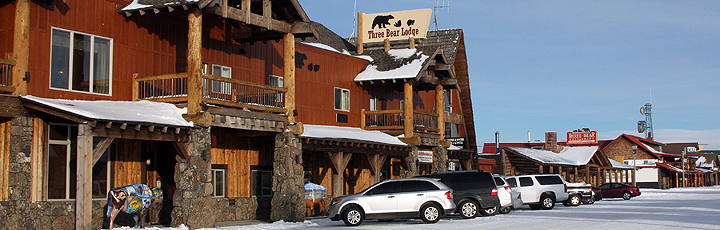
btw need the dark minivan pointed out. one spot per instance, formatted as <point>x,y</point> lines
<point>473,190</point>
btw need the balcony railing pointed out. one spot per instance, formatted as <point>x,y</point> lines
<point>6,72</point>
<point>173,88</point>
<point>394,120</point>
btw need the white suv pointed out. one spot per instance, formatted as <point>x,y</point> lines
<point>424,198</point>
<point>540,191</point>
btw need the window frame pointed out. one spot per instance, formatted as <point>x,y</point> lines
<point>92,78</point>
<point>221,87</point>
<point>215,170</point>
<point>70,151</point>
<point>344,99</point>
<point>254,174</point>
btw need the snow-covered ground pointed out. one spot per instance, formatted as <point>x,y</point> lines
<point>683,208</point>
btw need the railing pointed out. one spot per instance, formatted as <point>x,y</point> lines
<point>6,72</point>
<point>394,120</point>
<point>173,88</point>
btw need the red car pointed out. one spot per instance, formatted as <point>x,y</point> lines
<point>619,190</point>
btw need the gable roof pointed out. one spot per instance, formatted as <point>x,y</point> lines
<point>574,156</point>
<point>646,145</point>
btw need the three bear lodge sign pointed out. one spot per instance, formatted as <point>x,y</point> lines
<point>394,25</point>
<point>582,137</point>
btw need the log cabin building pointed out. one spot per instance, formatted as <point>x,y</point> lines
<point>258,84</point>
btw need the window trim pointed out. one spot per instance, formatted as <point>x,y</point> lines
<point>92,60</point>
<point>344,101</point>
<point>68,143</point>
<point>223,87</point>
<point>224,181</point>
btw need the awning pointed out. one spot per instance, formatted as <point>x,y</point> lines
<point>669,167</point>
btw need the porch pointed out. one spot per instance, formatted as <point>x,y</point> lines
<point>6,73</point>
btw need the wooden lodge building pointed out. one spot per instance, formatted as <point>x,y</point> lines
<point>626,159</point>
<point>263,100</point>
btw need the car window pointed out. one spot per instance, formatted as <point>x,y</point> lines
<point>499,181</point>
<point>605,186</point>
<point>546,180</point>
<point>425,186</point>
<point>616,185</point>
<point>512,182</point>
<point>389,187</point>
<point>526,181</point>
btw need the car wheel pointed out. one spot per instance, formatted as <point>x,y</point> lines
<point>430,213</point>
<point>575,200</point>
<point>534,206</point>
<point>468,209</point>
<point>490,211</point>
<point>353,216</point>
<point>547,202</point>
<point>626,196</point>
<point>505,210</point>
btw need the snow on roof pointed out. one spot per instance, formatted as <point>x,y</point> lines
<point>409,70</point>
<point>350,133</point>
<point>655,152</point>
<point>136,5</point>
<point>125,111</point>
<point>580,155</point>
<point>618,164</point>
<point>401,53</point>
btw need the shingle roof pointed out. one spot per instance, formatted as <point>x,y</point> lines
<point>329,38</point>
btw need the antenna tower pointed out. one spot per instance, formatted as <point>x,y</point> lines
<point>647,125</point>
<point>442,8</point>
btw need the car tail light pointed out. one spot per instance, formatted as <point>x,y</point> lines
<point>508,189</point>
<point>448,194</point>
<point>565,188</point>
<point>493,192</point>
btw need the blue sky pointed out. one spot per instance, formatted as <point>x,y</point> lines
<point>538,66</point>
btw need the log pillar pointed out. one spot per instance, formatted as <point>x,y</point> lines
<point>194,68</point>
<point>21,47</point>
<point>339,161</point>
<point>440,109</point>
<point>408,117</point>
<point>83,194</point>
<point>376,162</point>
<point>289,75</point>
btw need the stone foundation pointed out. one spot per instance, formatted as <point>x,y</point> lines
<point>412,161</point>
<point>440,159</point>
<point>193,199</point>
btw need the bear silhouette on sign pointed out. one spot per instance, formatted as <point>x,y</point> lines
<point>381,21</point>
<point>398,23</point>
<point>410,22</point>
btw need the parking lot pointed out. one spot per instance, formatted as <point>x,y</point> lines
<point>683,208</point>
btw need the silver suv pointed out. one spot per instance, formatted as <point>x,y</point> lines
<point>540,191</point>
<point>424,198</point>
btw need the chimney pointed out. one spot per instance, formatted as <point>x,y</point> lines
<point>551,142</point>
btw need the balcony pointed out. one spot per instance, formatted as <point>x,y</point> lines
<point>6,72</point>
<point>393,121</point>
<point>226,92</point>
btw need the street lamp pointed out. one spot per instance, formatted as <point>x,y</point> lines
<point>634,148</point>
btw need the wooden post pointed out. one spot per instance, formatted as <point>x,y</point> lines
<point>387,45</point>
<point>362,119</point>
<point>360,48</point>
<point>440,109</point>
<point>339,162</point>
<point>37,160</point>
<point>21,46</point>
<point>587,174</point>
<point>551,169</point>
<point>408,117</point>
<point>597,180</point>
<point>83,195</point>
<point>194,68</point>
<point>376,162</point>
<point>541,171</point>
<point>135,87</point>
<point>412,42</point>
<point>289,75</point>
<point>575,177</point>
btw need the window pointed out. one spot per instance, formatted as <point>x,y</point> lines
<point>373,103</point>
<point>221,87</point>
<point>218,180</point>
<point>277,81</point>
<point>451,130</point>
<point>448,101</point>
<point>512,182</point>
<point>80,62</point>
<point>342,99</point>
<point>62,162</point>
<point>526,181</point>
<point>261,182</point>
<point>389,187</point>
<point>546,180</point>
